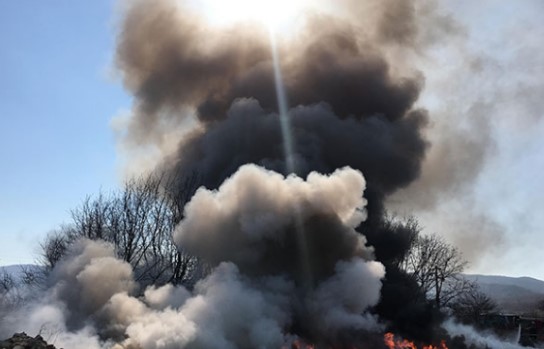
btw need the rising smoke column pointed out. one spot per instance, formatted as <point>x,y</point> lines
<point>173,62</point>
<point>351,94</point>
<point>253,220</point>
<point>351,105</point>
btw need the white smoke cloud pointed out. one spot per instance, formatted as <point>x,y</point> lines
<point>257,218</point>
<point>478,339</point>
<point>251,219</point>
<point>88,277</point>
<point>166,296</point>
<point>225,311</point>
<point>81,285</point>
<point>255,211</point>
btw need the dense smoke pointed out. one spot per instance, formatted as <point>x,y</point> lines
<point>291,255</point>
<point>254,296</point>
<point>303,230</point>
<point>337,78</point>
<point>477,339</point>
<point>257,218</point>
<point>78,288</point>
<point>352,100</point>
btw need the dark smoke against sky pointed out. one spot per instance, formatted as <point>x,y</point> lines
<point>224,89</point>
<point>502,38</point>
<point>371,61</point>
<point>348,76</point>
<point>352,106</point>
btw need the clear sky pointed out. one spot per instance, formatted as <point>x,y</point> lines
<point>57,97</point>
<point>59,94</point>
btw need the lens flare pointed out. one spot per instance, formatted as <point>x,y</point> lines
<point>283,107</point>
<point>289,153</point>
<point>277,15</point>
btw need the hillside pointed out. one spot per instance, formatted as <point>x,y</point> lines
<point>17,271</point>
<point>512,294</point>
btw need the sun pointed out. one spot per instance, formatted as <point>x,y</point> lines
<point>276,15</point>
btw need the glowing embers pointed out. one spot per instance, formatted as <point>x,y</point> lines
<point>392,343</point>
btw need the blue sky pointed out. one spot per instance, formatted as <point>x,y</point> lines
<point>59,94</point>
<point>56,101</point>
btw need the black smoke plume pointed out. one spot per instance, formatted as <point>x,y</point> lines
<point>303,253</point>
<point>349,106</point>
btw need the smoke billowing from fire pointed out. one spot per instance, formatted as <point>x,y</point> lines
<point>352,96</point>
<point>254,296</point>
<point>299,254</point>
<point>301,230</point>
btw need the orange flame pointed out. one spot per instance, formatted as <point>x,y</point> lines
<point>393,343</point>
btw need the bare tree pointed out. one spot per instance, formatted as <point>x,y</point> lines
<point>471,304</point>
<point>54,247</point>
<point>436,266</point>
<point>12,294</point>
<point>138,220</point>
<point>400,233</point>
<point>8,299</point>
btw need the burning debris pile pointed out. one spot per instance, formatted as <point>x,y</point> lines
<point>393,343</point>
<point>297,253</point>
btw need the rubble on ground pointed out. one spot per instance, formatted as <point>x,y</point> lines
<point>24,341</point>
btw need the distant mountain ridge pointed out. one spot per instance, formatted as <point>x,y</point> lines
<point>528,283</point>
<point>17,271</point>
<point>512,294</point>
